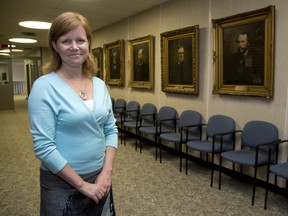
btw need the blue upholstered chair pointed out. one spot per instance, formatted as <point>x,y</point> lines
<point>119,108</point>
<point>165,123</point>
<point>217,139</point>
<point>255,139</point>
<point>130,114</point>
<point>189,128</point>
<point>146,117</point>
<point>278,170</point>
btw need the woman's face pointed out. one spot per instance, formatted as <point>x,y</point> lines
<point>73,47</point>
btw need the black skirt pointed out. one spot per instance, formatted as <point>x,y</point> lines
<point>58,198</point>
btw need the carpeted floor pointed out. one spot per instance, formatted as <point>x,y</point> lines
<point>142,186</point>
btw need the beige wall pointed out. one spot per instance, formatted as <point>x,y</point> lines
<point>177,14</point>
<point>183,13</point>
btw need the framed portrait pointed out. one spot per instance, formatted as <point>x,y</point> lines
<point>141,61</point>
<point>180,60</point>
<point>244,53</point>
<point>98,57</point>
<point>115,63</point>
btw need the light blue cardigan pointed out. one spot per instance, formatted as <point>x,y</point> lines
<point>63,128</point>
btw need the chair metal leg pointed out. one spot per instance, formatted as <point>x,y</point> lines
<point>180,152</point>
<point>140,141</point>
<point>254,185</point>
<point>160,150</point>
<point>212,169</point>
<point>156,153</point>
<point>136,141</point>
<point>220,170</point>
<point>124,135</point>
<point>124,139</point>
<point>121,133</point>
<point>186,162</point>
<point>266,190</point>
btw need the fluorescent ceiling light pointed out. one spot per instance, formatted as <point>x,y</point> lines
<point>13,50</point>
<point>35,24</point>
<point>22,40</point>
<point>4,54</point>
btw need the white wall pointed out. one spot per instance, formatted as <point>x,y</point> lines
<point>18,70</point>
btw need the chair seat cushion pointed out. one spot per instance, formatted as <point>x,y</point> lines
<point>206,146</point>
<point>280,170</point>
<point>133,124</point>
<point>130,124</point>
<point>152,130</point>
<point>245,158</point>
<point>176,137</point>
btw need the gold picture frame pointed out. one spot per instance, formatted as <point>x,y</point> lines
<point>180,60</point>
<point>141,62</point>
<point>98,57</point>
<point>115,63</point>
<point>244,53</point>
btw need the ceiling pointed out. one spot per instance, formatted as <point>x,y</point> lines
<point>99,13</point>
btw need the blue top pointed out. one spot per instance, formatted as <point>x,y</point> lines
<point>63,128</point>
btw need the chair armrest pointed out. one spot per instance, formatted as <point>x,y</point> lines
<point>143,115</point>
<point>120,112</point>
<point>163,120</point>
<point>150,114</point>
<point>125,113</point>
<point>268,146</point>
<point>187,127</point>
<point>227,133</point>
<point>277,143</point>
<point>191,126</point>
<point>272,143</point>
<point>160,122</point>
<point>233,132</point>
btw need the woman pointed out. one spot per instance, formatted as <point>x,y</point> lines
<point>72,125</point>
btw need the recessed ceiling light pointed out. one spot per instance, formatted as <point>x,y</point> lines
<point>22,40</point>
<point>35,24</point>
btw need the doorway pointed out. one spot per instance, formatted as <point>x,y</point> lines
<point>6,85</point>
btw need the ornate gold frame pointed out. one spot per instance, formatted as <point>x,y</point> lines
<point>98,55</point>
<point>117,78</point>
<point>145,45</point>
<point>188,39</point>
<point>259,82</point>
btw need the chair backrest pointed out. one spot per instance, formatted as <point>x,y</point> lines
<point>219,124</point>
<point>120,105</point>
<point>258,132</point>
<point>132,109</point>
<point>190,117</point>
<point>148,112</point>
<point>167,112</point>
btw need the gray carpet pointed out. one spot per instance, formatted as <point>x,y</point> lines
<point>142,186</point>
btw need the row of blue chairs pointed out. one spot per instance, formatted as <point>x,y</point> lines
<point>259,140</point>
